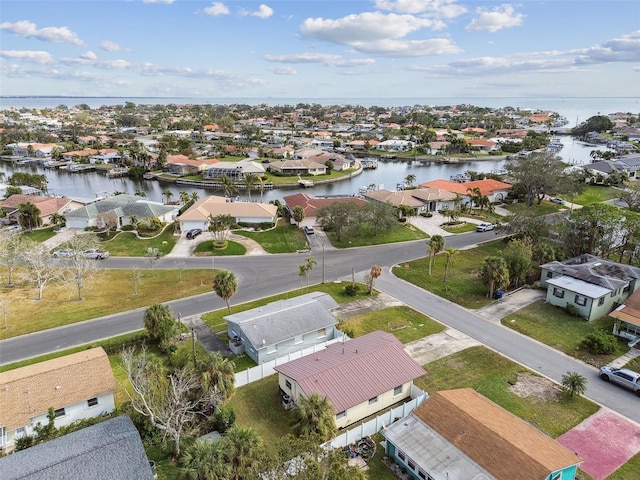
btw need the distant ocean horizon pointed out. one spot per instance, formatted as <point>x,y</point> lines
<point>574,109</point>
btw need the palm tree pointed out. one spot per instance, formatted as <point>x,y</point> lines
<point>475,196</point>
<point>495,273</point>
<point>184,197</point>
<point>57,219</point>
<point>194,196</point>
<point>261,185</point>
<point>434,246</point>
<point>29,216</point>
<point>133,220</point>
<point>314,416</point>
<point>205,461</point>
<point>409,179</point>
<point>250,180</point>
<point>242,452</point>
<point>140,193</point>
<point>575,383</point>
<point>228,186</point>
<point>225,285</point>
<point>305,269</point>
<point>218,377</point>
<point>450,254</point>
<point>167,193</point>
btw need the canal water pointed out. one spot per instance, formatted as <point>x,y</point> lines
<point>388,175</point>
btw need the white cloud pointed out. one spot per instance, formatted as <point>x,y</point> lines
<point>110,46</point>
<point>365,27</point>
<point>89,55</point>
<point>503,16</point>
<point>33,56</point>
<point>216,9</point>
<point>283,70</point>
<point>408,48</point>
<point>435,8</point>
<point>166,2</point>
<point>24,28</point>
<point>623,49</point>
<point>308,57</point>
<point>500,65</point>
<point>355,62</point>
<point>263,11</point>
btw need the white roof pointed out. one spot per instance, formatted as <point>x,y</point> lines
<point>587,289</point>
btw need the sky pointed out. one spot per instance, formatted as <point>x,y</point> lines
<point>320,48</point>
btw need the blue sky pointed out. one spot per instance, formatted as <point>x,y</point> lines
<point>320,49</point>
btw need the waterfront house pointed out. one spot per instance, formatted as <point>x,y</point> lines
<point>250,213</point>
<point>305,166</point>
<point>38,150</point>
<point>395,145</point>
<point>110,450</point>
<point>234,170</point>
<point>76,386</point>
<point>283,327</point>
<point>482,145</point>
<point>359,377</point>
<point>494,190</point>
<point>311,205</point>
<point>183,165</point>
<point>421,200</point>
<point>459,434</point>
<point>47,205</point>
<point>117,211</point>
<point>592,285</point>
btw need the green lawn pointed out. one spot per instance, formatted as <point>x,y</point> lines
<point>405,323</point>
<point>628,470</point>
<point>40,235</point>
<point>554,327</point>
<point>596,194</point>
<point>285,238</point>
<point>402,232</point>
<point>206,249</point>
<point>463,285</point>
<point>544,208</point>
<point>126,244</point>
<point>491,374</point>
<point>462,228</point>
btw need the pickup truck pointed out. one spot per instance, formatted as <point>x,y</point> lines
<point>622,376</point>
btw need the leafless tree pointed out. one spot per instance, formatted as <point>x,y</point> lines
<point>40,265</point>
<point>135,278</point>
<point>80,269</point>
<point>11,248</point>
<point>153,255</point>
<point>170,402</point>
<point>180,266</point>
<point>4,311</point>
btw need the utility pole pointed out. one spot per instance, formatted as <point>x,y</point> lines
<point>193,343</point>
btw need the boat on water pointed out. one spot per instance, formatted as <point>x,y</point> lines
<point>555,145</point>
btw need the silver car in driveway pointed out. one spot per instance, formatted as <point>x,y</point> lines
<point>622,376</point>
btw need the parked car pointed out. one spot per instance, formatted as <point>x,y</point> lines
<point>485,227</point>
<point>64,252</point>
<point>558,200</point>
<point>622,376</point>
<point>95,253</point>
<point>191,234</point>
<point>308,230</point>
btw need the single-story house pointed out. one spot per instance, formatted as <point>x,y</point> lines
<point>483,145</point>
<point>459,434</point>
<point>304,166</point>
<point>395,145</point>
<point>47,206</point>
<point>26,190</point>
<point>594,286</point>
<point>311,205</point>
<point>118,211</point>
<point>76,386</point>
<point>628,319</point>
<point>420,199</point>
<point>197,215</point>
<point>39,150</point>
<point>234,170</point>
<point>359,377</point>
<point>183,165</point>
<point>109,450</point>
<point>494,190</point>
<point>283,327</point>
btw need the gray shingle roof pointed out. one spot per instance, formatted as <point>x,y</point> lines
<point>123,205</point>
<point>285,319</point>
<point>591,269</point>
<point>111,450</point>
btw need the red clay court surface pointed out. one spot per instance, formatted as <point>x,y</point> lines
<point>605,441</point>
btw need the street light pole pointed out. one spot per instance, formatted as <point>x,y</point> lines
<point>193,343</point>
<point>322,262</point>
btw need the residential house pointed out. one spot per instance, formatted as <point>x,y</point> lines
<point>592,285</point>
<point>483,146</point>
<point>311,205</point>
<point>183,165</point>
<point>494,190</point>
<point>109,450</point>
<point>38,150</point>
<point>359,377</point>
<point>459,434</point>
<point>421,200</point>
<point>395,145</point>
<point>628,319</point>
<point>76,386</point>
<point>234,170</point>
<point>117,211</point>
<point>295,167</point>
<point>47,206</point>
<point>253,213</point>
<point>283,327</point>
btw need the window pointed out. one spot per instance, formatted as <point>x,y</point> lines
<point>422,475</point>
<point>411,465</point>
<point>557,292</point>
<point>397,390</point>
<point>373,400</point>
<point>20,432</point>
<point>580,300</point>
<point>401,455</point>
<point>340,415</point>
<point>556,476</point>
<point>549,274</point>
<point>288,384</point>
<point>92,402</point>
<point>322,333</point>
<point>613,294</point>
<point>60,412</point>
<point>600,301</point>
<point>626,289</point>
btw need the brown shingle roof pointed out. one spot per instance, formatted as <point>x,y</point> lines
<point>30,391</point>
<point>503,444</point>
<point>352,372</point>
<point>311,205</point>
<point>46,205</point>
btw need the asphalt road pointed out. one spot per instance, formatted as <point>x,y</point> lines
<point>265,275</point>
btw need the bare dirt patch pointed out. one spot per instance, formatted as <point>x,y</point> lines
<point>532,386</point>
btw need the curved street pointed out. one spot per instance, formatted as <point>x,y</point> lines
<point>261,276</point>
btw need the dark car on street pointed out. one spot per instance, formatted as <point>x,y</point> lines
<point>191,234</point>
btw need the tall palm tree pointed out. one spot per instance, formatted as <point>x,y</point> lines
<point>205,461</point>
<point>242,452</point>
<point>228,185</point>
<point>434,246</point>
<point>194,196</point>
<point>167,193</point>
<point>184,197</point>
<point>450,254</point>
<point>261,185</point>
<point>225,285</point>
<point>250,179</point>
<point>218,377</point>
<point>57,219</point>
<point>29,216</point>
<point>140,193</point>
<point>409,179</point>
<point>314,416</point>
<point>495,273</point>
<point>575,383</point>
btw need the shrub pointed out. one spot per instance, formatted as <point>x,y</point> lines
<point>573,311</point>
<point>351,290</point>
<point>128,228</point>
<point>600,342</point>
<point>224,418</point>
<point>426,214</point>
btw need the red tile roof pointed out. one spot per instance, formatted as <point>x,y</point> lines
<point>311,205</point>
<point>46,205</point>
<point>486,186</point>
<point>352,372</point>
